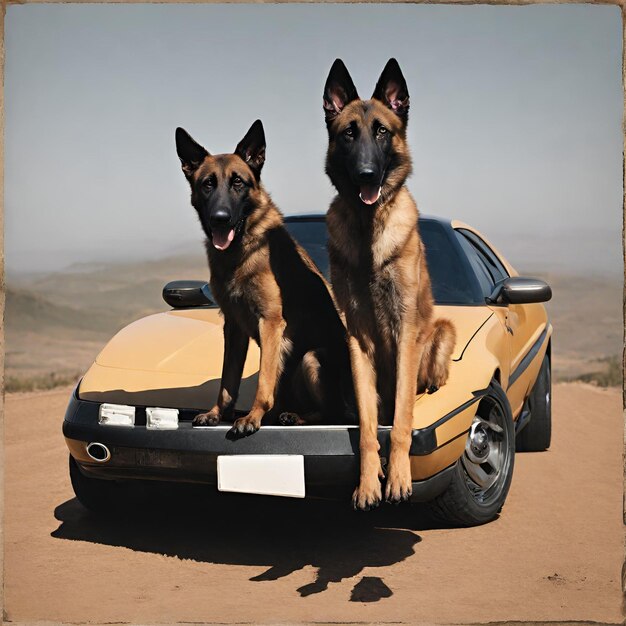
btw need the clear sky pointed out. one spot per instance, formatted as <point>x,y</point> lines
<point>515,119</point>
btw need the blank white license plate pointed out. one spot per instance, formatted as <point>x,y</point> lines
<point>265,474</point>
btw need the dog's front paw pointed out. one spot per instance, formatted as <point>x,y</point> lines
<point>244,426</point>
<point>290,419</point>
<point>399,485</point>
<point>211,418</point>
<point>367,495</point>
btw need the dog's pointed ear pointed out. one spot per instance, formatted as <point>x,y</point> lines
<point>338,91</point>
<point>392,91</point>
<point>252,148</point>
<point>190,153</point>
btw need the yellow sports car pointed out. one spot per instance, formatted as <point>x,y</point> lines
<point>129,418</point>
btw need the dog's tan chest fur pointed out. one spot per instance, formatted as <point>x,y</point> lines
<point>376,260</point>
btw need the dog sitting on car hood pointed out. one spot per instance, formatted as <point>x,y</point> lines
<point>379,272</point>
<point>268,290</point>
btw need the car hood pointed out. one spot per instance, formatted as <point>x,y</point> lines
<point>175,358</point>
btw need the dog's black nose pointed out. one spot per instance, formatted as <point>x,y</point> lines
<point>220,217</point>
<point>367,174</point>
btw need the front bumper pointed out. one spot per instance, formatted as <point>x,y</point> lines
<point>331,453</point>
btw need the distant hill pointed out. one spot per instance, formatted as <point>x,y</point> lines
<point>126,288</point>
<point>56,323</point>
<point>27,311</point>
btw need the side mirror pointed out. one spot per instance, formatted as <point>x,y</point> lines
<point>520,290</point>
<point>180,294</point>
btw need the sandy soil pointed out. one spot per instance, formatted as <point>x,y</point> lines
<point>554,554</point>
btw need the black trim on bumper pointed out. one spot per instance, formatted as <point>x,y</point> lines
<point>326,477</point>
<point>81,423</point>
<point>478,395</point>
<point>426,490</point>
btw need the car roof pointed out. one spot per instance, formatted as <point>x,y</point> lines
<point>320,217</point>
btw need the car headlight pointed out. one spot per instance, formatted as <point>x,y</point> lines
<point>161,419</point>
<point>116,415</point>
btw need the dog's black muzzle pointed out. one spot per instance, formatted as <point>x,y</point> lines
<point>220,218</point>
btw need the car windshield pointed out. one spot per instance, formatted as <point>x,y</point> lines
<point>450,281</point>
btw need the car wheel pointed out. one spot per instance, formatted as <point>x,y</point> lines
<point>104,497</point>
<point>482,476</point>
<point>536,435</point>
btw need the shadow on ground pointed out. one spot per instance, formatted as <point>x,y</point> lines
<point>282,535</point>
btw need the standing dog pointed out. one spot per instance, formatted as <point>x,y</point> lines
<point>268,289</point>
<point>379,273</point>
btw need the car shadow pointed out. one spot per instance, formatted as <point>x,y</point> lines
<point>283,535</point>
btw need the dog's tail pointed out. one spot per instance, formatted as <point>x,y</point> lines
<point>435,363</point>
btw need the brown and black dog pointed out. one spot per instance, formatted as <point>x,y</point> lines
<point>379,273</point>
<point>269,290</point>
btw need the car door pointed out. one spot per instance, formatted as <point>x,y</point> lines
<point>519,320</point>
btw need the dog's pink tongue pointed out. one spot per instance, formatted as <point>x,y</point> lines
<point>221,240</point>
<point>369,193</point>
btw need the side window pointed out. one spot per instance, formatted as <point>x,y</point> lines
<point>452,281</point>
<point>493,263</point>
<point>485,278</point>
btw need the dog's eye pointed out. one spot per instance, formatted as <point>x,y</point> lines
<point>207,183</point>
<point>237,182</point>
<point>349,132</point>
<point>382,131</point>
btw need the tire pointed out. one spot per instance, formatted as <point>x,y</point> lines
<point>100,496</point>
<point>475,495</point>
<point>536,435</point>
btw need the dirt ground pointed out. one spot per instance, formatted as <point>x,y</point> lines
<point>554,554</point>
